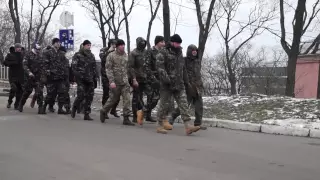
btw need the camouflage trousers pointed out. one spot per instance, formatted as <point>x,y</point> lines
<point>105,96</point>
<point>153,96</point>
<point>30,84</point>
<point>165,104</point>
<point>16,90</point>
<point>198,107</point>
<point>85,92</point>
<point>57,88</point>
<point>115,94</point>
<point>137,99</point>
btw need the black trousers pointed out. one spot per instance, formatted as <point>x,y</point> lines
<point>16,90</point>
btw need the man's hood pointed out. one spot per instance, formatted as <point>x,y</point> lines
<point>191,48</point>
<point>139,42</point>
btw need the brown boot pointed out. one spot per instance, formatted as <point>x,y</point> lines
<point>161,129</point>
<point>140,117</point>
<point>190,128</point>
<point>167,125</point>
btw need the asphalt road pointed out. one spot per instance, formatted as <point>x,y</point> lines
<point>45,147</point>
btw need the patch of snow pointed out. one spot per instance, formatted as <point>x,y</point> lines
<point>299,123</point>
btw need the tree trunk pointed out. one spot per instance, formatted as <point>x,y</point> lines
<point>30,26</point>
<point>166,20</point>
<point>148,35</point>
<point>127,25</point>
<point>291,74</point>
<point>14,13</point>
<point>233,84</point>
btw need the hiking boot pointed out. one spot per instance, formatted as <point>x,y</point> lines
<point>140,117</point>
<point>167,125</point>
<point>127,122</point>
<point>102,116</point>
<point>87,117</point>
<point>161,129</point>
<point>190,129</point>
<point>202,127</point>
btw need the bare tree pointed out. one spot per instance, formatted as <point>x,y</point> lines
<point>153,14</point>
<point>30,25</point>
<point>300,24</point>
<point>43,22</point>
<point>125,14</point>
<point>101,14</point>
<point>14,13</point>
<point>107,12</point>
<point>206,26</point>
<point>166,20</point>
<point>257,20</point>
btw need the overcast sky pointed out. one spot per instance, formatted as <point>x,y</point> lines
<point>187,27</point>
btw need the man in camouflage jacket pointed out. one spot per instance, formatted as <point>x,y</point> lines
<point>84,69</point>
<point>33,65</point>
<point>173,76</point>
<point>195,88</point>
<point>56,68</point>
<point>137,78</point>
<point>104,52</point>
<point>152,87</point>
<point>117,73</point>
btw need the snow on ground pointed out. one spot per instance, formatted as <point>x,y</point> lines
<point>256,108</point>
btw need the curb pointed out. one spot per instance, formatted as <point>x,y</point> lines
<point>261,128</point>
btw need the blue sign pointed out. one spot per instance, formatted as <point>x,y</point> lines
<point>66,38</point>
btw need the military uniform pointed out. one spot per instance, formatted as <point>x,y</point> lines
<point>13,60</point>
<point>57,71</point>
<point>195,90</point>
<point>116,68</point>
<point>173,76</point>
<point>152,88</point>
<point>104,52</point>
<point>33,65</point>
<point>136,71</point>
<point>84,70</point>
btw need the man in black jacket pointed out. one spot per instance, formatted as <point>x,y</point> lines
<point>13,60</point>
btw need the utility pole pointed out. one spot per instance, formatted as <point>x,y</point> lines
<point>166,20</point>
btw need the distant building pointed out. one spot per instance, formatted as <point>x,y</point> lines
<point>264,80</point>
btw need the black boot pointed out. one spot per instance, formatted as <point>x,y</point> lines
<point>20,108</point>
<point>87,117</point>
<point>102,116</point>
<point>127,122</point>
<point>21,104</point>
<point>40,109</point>
<point>73,111</point>
<point>114,113</point>
<point>9,105</point>
<point>149,117</point>
<point>51,109</point>
<point>61,111</point>
<point>44,108</point>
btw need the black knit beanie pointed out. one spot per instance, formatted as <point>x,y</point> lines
<point>176,38</point>
<point>158,39</point>
<point>120,42</point>
<point>55,40</point>
<point>85,42</point>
